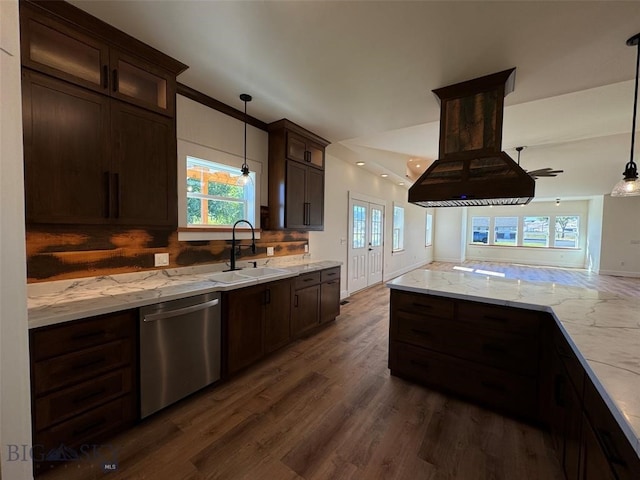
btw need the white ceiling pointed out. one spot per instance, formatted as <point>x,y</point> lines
<point>361,72</point>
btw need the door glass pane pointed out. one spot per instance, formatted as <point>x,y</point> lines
<point>359,226</point>
<point>376,227</point>
<point>137,83</point>
<point>480,230</point>
<point>62,52</point>
<point>505,231</point>
<point>566,231</point>
<point>535,232</point>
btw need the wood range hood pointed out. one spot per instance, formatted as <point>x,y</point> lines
<point>471,169</point>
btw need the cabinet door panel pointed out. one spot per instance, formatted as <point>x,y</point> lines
<point>330,300</point>
<point>66,152</point>
<point>245,310</point>
<point>295,188</point>
<point>296,148</point>
<point>145,185</point>
<point>595,465</point>
<point>54,48</point>
<point>277,331</point>
<point>315,199</point>
<point>306,309</point>
<point>140,83</point>
<point>316,155</point>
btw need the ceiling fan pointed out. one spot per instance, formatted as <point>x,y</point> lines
<point>541,172</point>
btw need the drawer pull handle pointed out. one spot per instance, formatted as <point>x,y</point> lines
<point>331,274</point>
<point>496,319</point>
<point>424,333</point>
<point>90,363</point>
<point>89,427</point>
<point>610,450</point>
<point>420,364</point>
<point>491,348</point>
<point>493,386</point>
<point>82,336</point>
<point>307,279</point>
<point>89,395</point>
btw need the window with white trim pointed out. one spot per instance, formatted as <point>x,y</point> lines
<point>566,231</point>
<point>428,237</point>
<point>480,230</point>
<point>505,231</point>
<point>214,199</point>
<point>398,228</point>
<point>535,232</point>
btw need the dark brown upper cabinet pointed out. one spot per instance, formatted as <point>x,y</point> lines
<point>61,49</point>
<point>296,177</point>
<point>99,122</point>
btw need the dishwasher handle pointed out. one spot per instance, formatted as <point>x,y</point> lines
<point>152,317</point>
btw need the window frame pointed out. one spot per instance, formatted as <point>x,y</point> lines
<point>399,246</point>
<point>231,161</point>
<point>428,230</point>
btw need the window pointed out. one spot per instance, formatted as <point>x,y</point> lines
<point>359,226</point>
<point>566,231</point>
<point>429,230</point>
<point>535,232</point>
<point>398,228</point>
<point>376,226</point>
<point>505,231</point>
<point>480,229</point>
<point>213,198</point>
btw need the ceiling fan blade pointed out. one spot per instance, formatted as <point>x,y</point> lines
<point>544,172</point>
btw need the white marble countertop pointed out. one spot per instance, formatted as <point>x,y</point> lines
<point>60,301</point>
<point>602,328</point>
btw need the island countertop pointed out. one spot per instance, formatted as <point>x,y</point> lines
<point>602,328</point>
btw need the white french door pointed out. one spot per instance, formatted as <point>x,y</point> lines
<point>366,239</point>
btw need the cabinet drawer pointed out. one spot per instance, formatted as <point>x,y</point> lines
<point>494,317</point>
<point>97,423</point>
<point>508,392</point>
<point>71,337</point>
<point>509,352</point>
<point>307,280</point>
<point>330,274</point>
<point>75,367</point>
<point>612,440</point>
<point>64,404</point>
<point>422,304</point>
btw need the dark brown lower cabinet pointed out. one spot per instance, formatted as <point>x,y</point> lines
<point>329,294</point>
<point>83,383</point>
<point>277,331</point>
<point>305,312</point>
<point>479,352</point>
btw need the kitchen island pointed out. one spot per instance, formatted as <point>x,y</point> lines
<point>602,330</point>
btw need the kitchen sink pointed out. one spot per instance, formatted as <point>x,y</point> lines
<point>263,272</point>
<point>229,277</point>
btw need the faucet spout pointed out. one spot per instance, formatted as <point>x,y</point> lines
<point>232,259</point>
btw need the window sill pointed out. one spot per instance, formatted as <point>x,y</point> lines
<point>522,246</point>
<point>397,252</point>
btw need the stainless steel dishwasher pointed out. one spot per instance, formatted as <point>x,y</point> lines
<point>179,349</point>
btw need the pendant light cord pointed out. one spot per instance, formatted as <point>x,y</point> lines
<point>635,105</point>
<point>245,131</point>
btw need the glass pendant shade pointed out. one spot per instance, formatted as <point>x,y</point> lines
<point>244,179</point>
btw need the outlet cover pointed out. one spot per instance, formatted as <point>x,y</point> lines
<point>306,248</point>
<point>270,252</point>
<point>161,259</point>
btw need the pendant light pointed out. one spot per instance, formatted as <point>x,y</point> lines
<point>629,186</point>
<point>245,178</point>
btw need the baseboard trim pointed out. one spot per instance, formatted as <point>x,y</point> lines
<point>616,273</point>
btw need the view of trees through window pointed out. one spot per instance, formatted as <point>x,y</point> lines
<point>213,198</point>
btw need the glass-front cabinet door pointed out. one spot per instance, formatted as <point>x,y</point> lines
<point>53,48</point>
<point>140,83</point>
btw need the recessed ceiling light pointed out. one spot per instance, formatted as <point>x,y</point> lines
<point>384,175</point>
<point>401,183</point>
<point>417,165</point>
<point>360,164</point>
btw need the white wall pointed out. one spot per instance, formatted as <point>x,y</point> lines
<point>620,252</point>
<point>15,398</point>
<point>594,234</point>
<point>450,234</point>
<point>558,257</point>
<point>342,177</point>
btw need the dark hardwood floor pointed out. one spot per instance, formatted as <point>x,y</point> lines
<point>326,407</point>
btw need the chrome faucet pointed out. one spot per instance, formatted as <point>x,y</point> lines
<point>232,265</point>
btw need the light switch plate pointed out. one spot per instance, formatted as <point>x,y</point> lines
<point>161,259</point>
<point>270,252</point>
